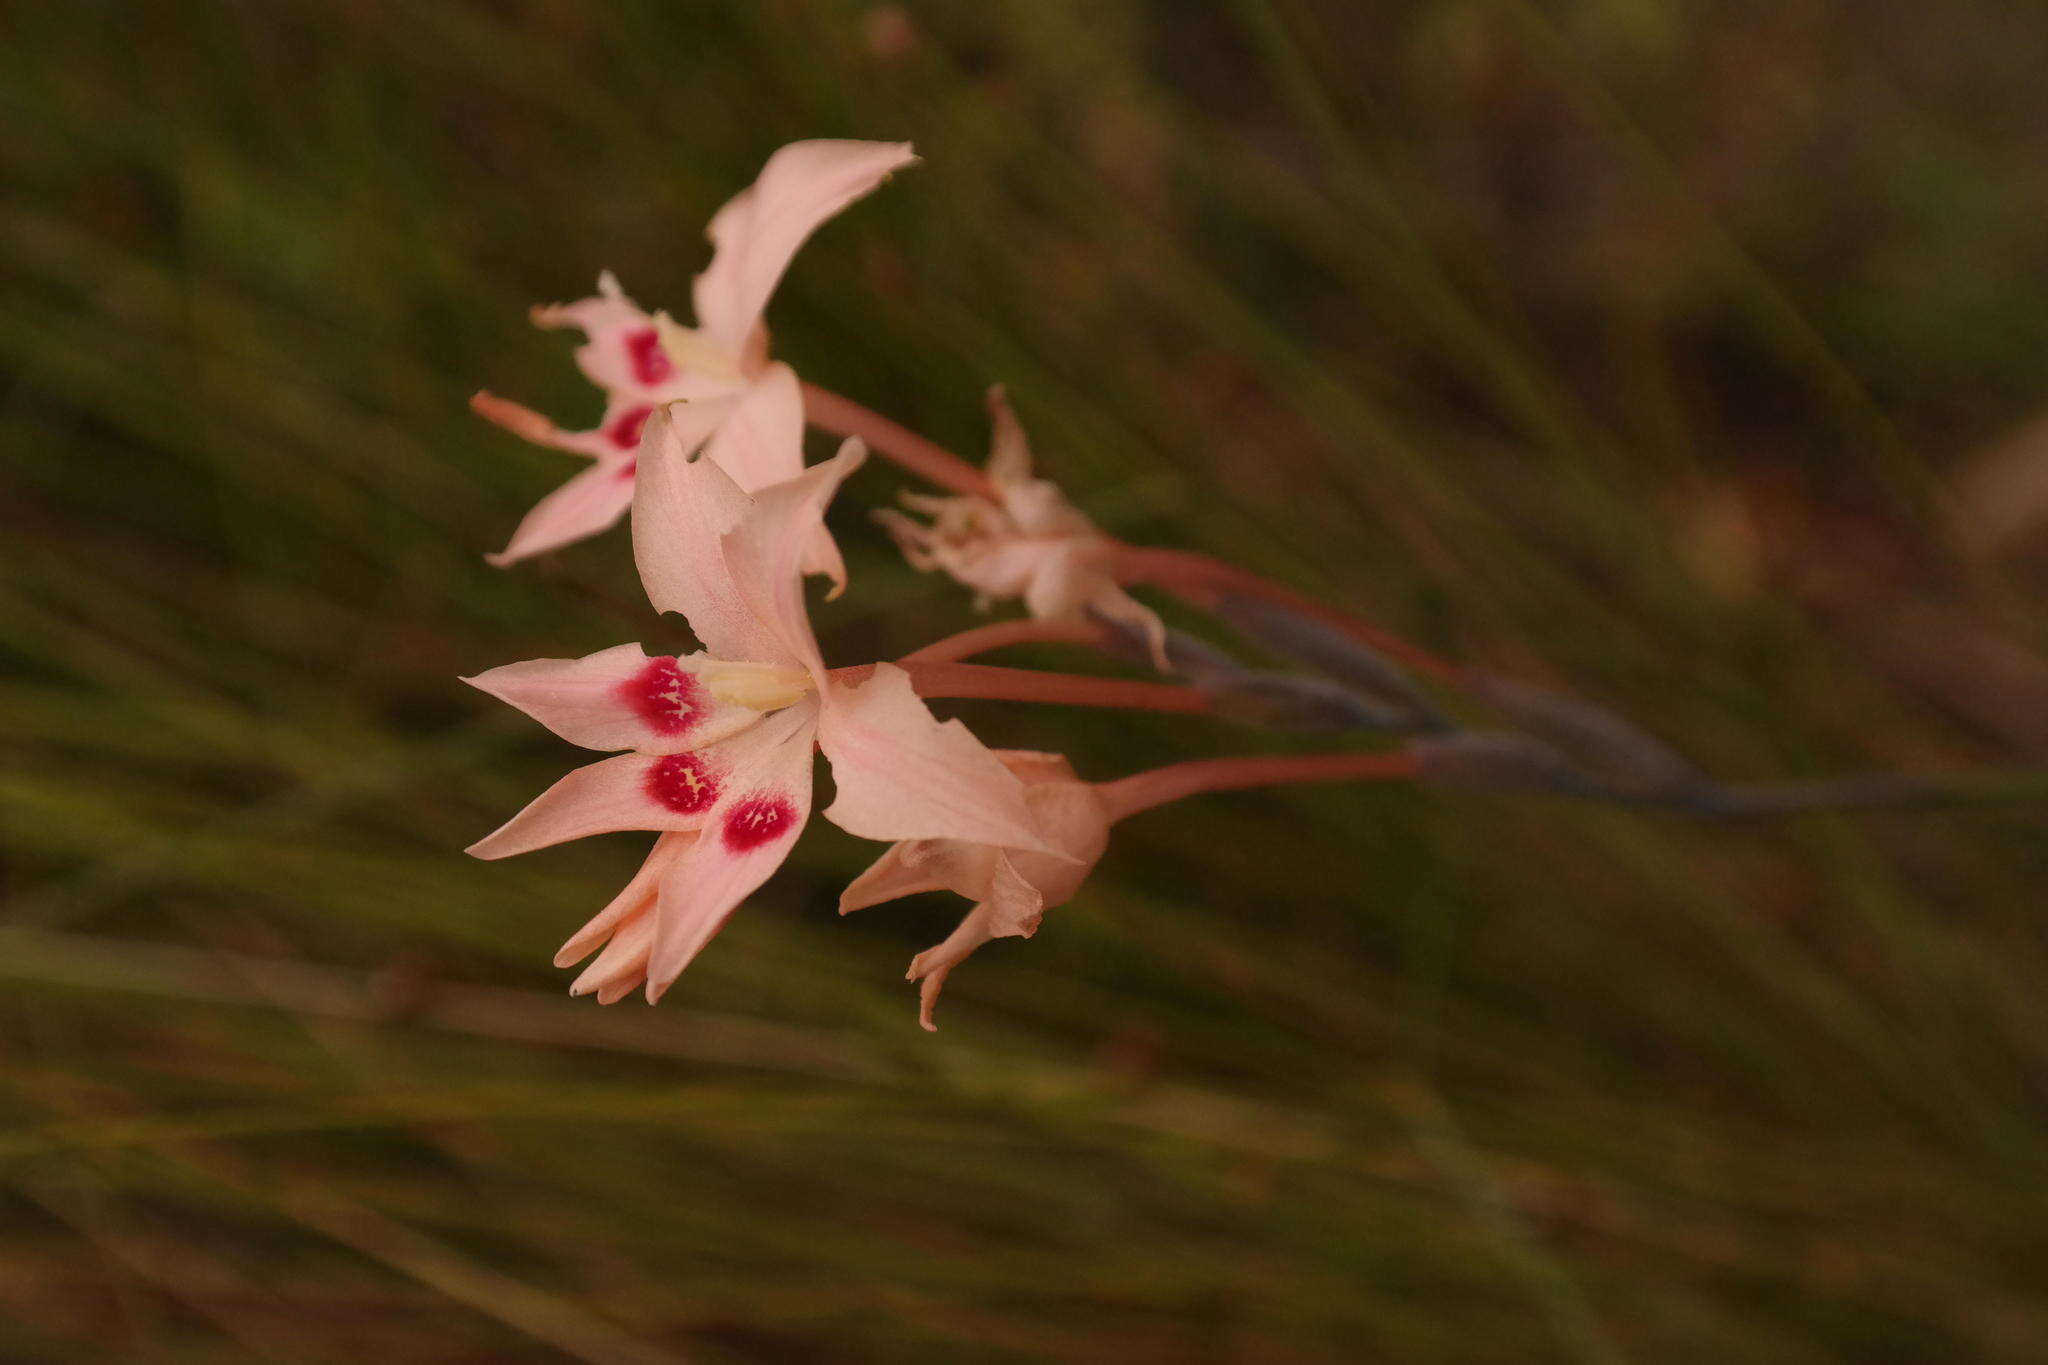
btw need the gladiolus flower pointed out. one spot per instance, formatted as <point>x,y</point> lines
<point>644,361</point>
<point>1011,888</point>
<point>719,743</point>
<point>1030,542</point>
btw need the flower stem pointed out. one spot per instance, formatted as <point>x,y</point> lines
<point>1002,634</point>
<point>1202,580</point>
<point>928,460</point>
<point>1176,782</point>
<point>981,682</point>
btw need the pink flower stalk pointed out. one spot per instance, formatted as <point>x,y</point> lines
<point>719,743</point>
<point>1011,888</point>
<point>1027,541</point>
<point>644,361</point>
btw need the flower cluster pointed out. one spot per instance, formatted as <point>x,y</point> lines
<point>702,439</point>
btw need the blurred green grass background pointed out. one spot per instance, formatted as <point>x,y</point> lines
<point>1681,355</point>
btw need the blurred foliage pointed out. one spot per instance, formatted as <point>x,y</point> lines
<point>1616,344</point>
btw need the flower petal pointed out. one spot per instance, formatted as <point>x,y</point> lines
<point>1014,905</point>
<point>750,832</point>
<point>1009,453</point>
<point>682,510</point>
<point>635,900</point>
<point>767,550</point>
<point>619,698</point>
<point>901,774</point>
<point>589,503</point>
<point>1062,582</point>
<point>900,871</point>
<point>622,354</point>
<point>1008,913</point>
<point>762,443</point>
<point>631,791</point>
<point>621,966</point>
<point>760,229</point>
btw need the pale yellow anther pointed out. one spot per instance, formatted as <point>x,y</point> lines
<point>689,350</point>
<point>758,687</point>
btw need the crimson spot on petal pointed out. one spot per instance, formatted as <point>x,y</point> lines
<point>682,783</point>
<point>625,433</point>
<point>665,695</point>
<point>651,364</point>
<point>625,472</point>
<point>757,820</point>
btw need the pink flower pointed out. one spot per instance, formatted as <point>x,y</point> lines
<point>1029,543</point>
<point>1011,887</point>
<point>644,361</point>
<point>718,744</point>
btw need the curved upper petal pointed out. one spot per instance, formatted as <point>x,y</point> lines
<point>765,805</point>
<point>619,698</point>
<point>683,508</point>
<point>901,774</point>
<point>762,440</point>
<point>762,443</point>
<point>767,550</point>
<point>759,230</point>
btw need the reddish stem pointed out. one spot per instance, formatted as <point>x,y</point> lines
<point>1202,580</point>
<point>1142,791</point>
<point>982,682</point>
<point>926,459</point>
<point>1001,635</point>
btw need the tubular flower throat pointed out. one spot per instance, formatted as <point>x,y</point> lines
<point>719,743</point>
<point>1011,888</point>
<point>1029,543</point>
<point>753,408</point>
